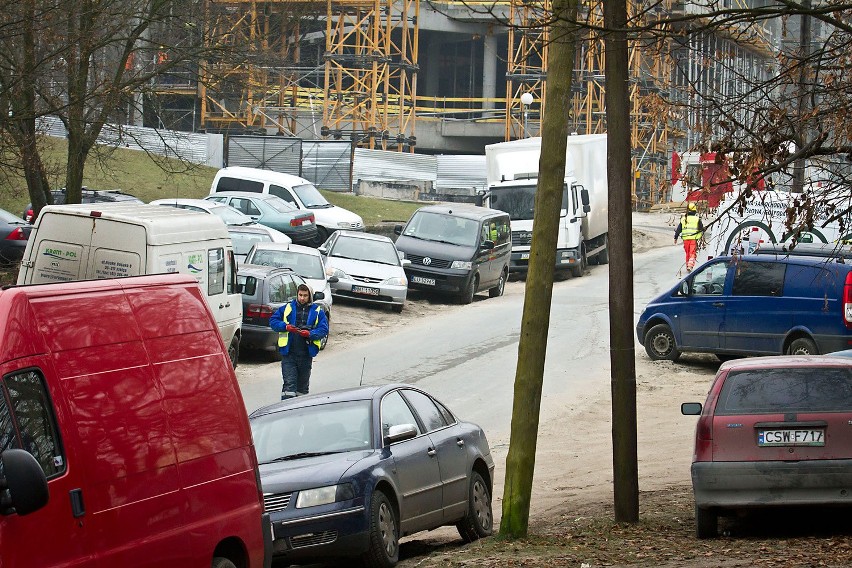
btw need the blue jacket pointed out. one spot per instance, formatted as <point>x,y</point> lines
<point>286,314</point>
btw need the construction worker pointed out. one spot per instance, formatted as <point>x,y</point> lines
<point>690,229</point>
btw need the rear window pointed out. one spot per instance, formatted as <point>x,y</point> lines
<point>790,390</point>
<point>236,184</point>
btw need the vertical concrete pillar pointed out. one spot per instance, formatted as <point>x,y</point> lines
<point>489,69</point>
<point>433,69</point>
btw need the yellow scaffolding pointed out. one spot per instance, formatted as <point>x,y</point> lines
<point>526,66</point>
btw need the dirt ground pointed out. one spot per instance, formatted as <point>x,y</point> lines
<point>571,517</point>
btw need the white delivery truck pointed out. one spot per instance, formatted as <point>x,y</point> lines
<point>512,175</point>
<point>112,240</point>
<point>741,230</point>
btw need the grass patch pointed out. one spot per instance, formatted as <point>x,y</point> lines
<point>154,177</point>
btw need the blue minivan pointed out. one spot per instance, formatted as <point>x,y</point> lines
<point>753,305</point>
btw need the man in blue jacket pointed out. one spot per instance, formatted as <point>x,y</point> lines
<point>301,325</point>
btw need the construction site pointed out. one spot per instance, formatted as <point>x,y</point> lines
<point>439,77</point>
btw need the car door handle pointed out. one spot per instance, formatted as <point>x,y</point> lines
<point>431,451</point>
<point>460,442</point>
<point>227,304</point>
<point>221,306</point>
<point>718,304</point>
<point>77,507</point>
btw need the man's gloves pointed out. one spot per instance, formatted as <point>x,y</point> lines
<point>292,328</point>
<point>305,333</point>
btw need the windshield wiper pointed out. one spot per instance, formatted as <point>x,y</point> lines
<point>299,456</point>
<point>345,257</point>
<point>320,206</point>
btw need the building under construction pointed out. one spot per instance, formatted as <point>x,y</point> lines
<point>446,77</point>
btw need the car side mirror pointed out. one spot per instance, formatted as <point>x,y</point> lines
<point>322,250</point>
<point>400,432</point>
<point>584,197</point>
<point>25,481</point>
<point>690,408</point>
<point>397,230</point>
<point>332,279</point>
<point>319,296</point>
<point>487,245</point>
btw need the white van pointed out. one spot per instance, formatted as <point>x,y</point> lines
<point>112,240</point>
<point>293,189</point>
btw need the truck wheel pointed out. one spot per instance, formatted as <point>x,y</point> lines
<point>603,256</point>
<point>706,523</point>
<point>234,351</point>
<point>497,290</point>
<point>467,296</point>
<point>578,269</point>
<point>803,346</point>
<point>220,562</point>
<point>660,343</point>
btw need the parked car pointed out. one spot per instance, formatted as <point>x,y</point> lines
<point>246,236</point>
<point>307,262</point>
<point>228,214</point>
<point>292,189</point>
<point>368,268</point>
<point>13,238</point>
<point>773,431</point>
<point>298,224</point>
<point>347,473</point>
<point>264,290</point>
<point>88,196</point>
<point>752,305</point>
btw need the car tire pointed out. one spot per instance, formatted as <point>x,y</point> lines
<point>383,551</point>
<point>467,296</point>
<point>577,270</point>
<point>219,562</point>
<point>234,351</point>
<point>478,521</point>
<point>706,523</point>
<point>498,290</point>
<point>322,236</point>
<point>397,308</point>
<point>803,346</point>
<point>660,343</point>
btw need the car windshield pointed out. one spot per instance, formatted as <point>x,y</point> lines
<point>305,265</point>
<point>244,241</point>
<point>438,227</point>
<point>7,217</point>
<point>280,205</point>
<point>231,216</point>
<point>311,196</point>
<point>790,390</point>
<point>313,430</point>
<point>382,252</point>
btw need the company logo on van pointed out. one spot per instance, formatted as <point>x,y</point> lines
<point>194,269</point>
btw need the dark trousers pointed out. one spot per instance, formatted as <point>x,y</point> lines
<point>296,373</point>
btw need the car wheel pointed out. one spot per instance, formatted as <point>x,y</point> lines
<point>577,270</point>
<point>470,292</point>
<point>220,562</point>
<point>706,523</point>
<point>322,236</point>
<point>397,308</point>
<point>660,343</point>
<point>234,351</point>
<point>802,346</point>
<point>497,290</point>
<point>478,522</point>
<point>383,551</point>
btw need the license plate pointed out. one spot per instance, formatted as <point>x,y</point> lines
<point>423,280</point>
<point>805,437</point>
<point>365,290</point>
<point>525,256</point>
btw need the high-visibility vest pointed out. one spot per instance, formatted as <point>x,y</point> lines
<point>284,336</point>
<point>689,228</point>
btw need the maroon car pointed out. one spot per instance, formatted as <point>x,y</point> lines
<point>774,431</point>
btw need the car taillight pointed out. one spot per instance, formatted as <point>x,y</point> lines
<point>704,439</point>
<point>847,301</point>
<point>301,220</point>
<point>17,235</point>
<point>259,311</point>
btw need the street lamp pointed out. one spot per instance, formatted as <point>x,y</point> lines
<point>526,101</point>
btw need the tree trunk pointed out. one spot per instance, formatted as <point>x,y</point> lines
<point>520,462</point>
<point>622,355</point>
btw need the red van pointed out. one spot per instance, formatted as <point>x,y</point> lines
<point>124,439</point>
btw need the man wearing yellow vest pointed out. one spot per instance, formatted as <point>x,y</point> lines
<point>301,325</point>
<point>690,230</point>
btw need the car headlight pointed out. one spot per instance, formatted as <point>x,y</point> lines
<point>396,282</point>
<point>324,495</point>
<point>463,265</point>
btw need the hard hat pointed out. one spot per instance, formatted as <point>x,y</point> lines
<point>692,207</point>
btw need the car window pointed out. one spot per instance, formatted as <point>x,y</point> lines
<point>396,412</point>
<point>237,184</point>
<point>430,226</point>
<point>245,206</point>
<point>448,416</point>
<point>427,411</point>
<point>710,280</point>
<point>244,241</point>
<point>382,252</point>
<point>310,196</point>
<point>32,410</point>
<point>281,192</point>
<point>278,289</point>
<point>789,390</point>
<point>759,279</point>
<point>215,271</point>
<point>280,205</point>
<point>216,199</point>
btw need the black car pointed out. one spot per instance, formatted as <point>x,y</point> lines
<point>88,196</point>
<point>13,238</point>
<point>264,290</point>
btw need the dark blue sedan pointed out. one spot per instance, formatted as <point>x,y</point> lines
<point>347,473</point>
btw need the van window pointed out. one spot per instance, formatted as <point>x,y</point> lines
<point>759,279</point>
<point>32,411</point>
<point>236,184</point>
<point>710,281</point>
<point>282,192</point>
<point>216,271</point>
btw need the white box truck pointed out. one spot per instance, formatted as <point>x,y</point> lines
<point>512,175</point>
<point>113,240</point>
